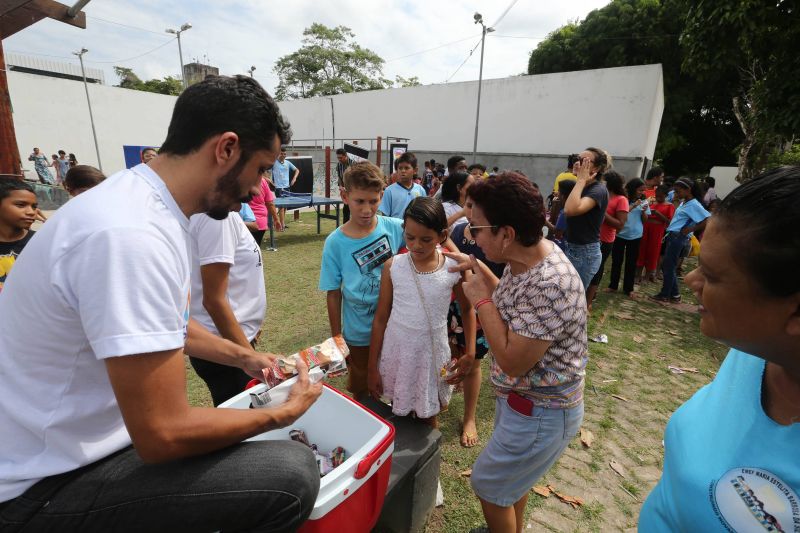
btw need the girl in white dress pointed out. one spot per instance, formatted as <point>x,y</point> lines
<point>409,347</point>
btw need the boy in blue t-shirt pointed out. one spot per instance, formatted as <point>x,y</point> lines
<point>280,178</point>
<point>352,263</point>
<point>398,195</point>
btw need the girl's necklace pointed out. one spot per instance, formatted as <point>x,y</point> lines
<point>438,265</point>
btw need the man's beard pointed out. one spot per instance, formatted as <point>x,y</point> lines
<point>227,187</point>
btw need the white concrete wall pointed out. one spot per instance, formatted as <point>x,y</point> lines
<point>52,114</point>
<point>725,179</point>
<point>617,109</point>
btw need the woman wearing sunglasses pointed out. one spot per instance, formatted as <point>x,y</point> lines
<point>534,318</point>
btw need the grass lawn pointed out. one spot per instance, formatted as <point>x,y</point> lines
<point>630,394</point>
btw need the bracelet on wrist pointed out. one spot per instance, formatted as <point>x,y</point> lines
<point>484,301</point>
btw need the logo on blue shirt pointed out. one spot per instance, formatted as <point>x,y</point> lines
<point>746,498</point>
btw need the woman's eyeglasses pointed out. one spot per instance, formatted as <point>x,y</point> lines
<point>474,229</point>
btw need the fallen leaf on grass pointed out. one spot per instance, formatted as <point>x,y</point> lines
<point>587,437</point>
<point>544,492</point>
<point>466,473</point>
<point>625,316</point>
<point>618,468</point>
<point>638,339</point>
<point>609,380</point>
<point>574,501</point>
<point>618,397</point>
<point>672,332</point>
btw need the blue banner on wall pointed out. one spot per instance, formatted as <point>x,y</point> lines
<point>133,154</point>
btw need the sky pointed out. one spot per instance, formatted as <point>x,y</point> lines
<point>430,39</point>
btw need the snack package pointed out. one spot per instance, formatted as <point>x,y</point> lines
<point>329,355</point>
<point>279,393</point>
<point>448,371</point>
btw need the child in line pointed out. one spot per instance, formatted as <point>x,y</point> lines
<point>352,263</point>
<point>409,343</point>
<point>398,195</point>
<point>565,187</point>
<point>18,205</point>
<point>661,212</point>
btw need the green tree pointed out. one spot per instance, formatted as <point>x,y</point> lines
<point>400,81</point>
<point>129,80</point>
<point>329,62</point>
<point>749,50</point>
<point>698,129</point>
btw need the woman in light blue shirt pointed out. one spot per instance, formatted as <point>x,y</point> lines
<point>690,217</point>
<point>731,452</point>
<point>626,245</point>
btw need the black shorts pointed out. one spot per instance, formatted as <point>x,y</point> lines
<point>455,329</point>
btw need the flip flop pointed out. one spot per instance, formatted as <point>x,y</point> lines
<point>469,440</point>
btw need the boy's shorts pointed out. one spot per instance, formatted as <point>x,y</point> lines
<point>357,363</point>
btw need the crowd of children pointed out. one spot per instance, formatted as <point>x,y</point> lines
<point>392,292</point>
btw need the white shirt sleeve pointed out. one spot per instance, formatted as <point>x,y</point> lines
<point>131,289</point>
<point>215,239</point>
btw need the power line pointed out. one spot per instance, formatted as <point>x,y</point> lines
<point>429,49</point>
<point>504,14</point>
<point>136,57</point>
<point>464,62</point>
<point>124,25</point>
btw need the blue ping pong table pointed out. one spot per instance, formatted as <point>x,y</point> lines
<point>293,200</point>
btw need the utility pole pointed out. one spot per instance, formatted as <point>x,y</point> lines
<point>89,103</point>
<point>184,27</point>
<point>479,20</point>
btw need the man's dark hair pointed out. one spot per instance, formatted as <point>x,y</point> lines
<point>225,103</point>
<point>62,152</point>
<point>427,211</point>
<point>761,212</point>
<point>509,199</point>
<point>473,166</point>
<point>654,173</point>
<point>341,151</point>
<point>711,181</point>
<point>7,185</point>
<point>571,160</point>
<point>453,161</point>
<point>406,157</point>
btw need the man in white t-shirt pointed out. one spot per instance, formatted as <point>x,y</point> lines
<point>228,294</point>
<point>95,320</point>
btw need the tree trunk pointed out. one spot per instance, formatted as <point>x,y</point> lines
<point>9,151</point>
<point>744,117</point>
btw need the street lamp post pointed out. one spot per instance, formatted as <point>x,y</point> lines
<point>180,51</point>
<point>479,20</point>
<point>89,102</point>
<point>251,69</point>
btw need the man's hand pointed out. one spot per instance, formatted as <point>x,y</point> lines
<point>303,393</point>
<point>255,362</point>
<point>685,231</point>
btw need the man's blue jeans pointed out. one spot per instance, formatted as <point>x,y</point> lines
<point>252,486</point>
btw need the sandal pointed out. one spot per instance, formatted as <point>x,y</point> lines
<point>469,439</point>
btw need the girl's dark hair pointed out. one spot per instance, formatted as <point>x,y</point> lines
<point>82,177</point>
<point>692,185</point>
<point>509,199</point>
<point>8,184</point>
<point>565,187</point>
<point>450,187</point>
<point>761,212</point>
<point>427,211</point>
<point>614,182</point>
<point>225,103</point>
<point>630,188</point>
